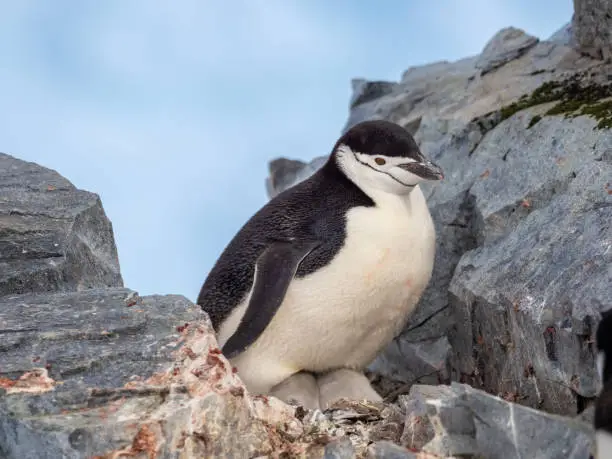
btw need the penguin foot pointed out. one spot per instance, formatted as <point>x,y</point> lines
<point>298,389</point>
<point>345,383</point>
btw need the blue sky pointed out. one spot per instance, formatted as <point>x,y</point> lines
<point>171,111</point>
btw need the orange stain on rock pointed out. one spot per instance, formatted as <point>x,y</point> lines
<point>36,380</point>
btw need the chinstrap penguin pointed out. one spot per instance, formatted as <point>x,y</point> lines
<point>603,403</point>
<point>327,272</point>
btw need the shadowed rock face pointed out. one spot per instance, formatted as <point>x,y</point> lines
<point>523,218</point>
<point>53,237</point>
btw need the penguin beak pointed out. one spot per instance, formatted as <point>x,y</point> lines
<point>424,169</point>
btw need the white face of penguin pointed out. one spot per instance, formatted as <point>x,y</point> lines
<point>391,174</point>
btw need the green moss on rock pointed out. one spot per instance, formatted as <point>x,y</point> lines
<point>547,92</point>
<point>601,111</point>
<point>573,97</point>
<point>533,121</point>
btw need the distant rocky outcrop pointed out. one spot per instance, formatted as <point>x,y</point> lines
<point>524,217</point>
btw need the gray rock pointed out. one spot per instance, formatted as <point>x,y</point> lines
<point>564,36</point>
<point>420,87</point>
<point>428,356</point>
<point>458,420</point>
<point>592,27</point>
<point>455,431</point>
<point>284,173</point>
<point>473,422</point>
<point>526,305</point>
<point>97,372</point>
<point>340,449</point>
<point>418,428</point>
<point>75,334</point>
<point>367,111</point>
<point>387,450</point>
<point>507,45</point>
<point>528,166</point>
<point>53,237</point>
<point>366,91</point>
<point>417,75</point>
<point>459,92</point>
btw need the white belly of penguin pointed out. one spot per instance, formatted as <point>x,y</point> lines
<point>345,313</point>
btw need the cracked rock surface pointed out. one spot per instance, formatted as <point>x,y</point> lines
<point>53,236</point>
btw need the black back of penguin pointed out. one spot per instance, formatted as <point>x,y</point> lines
<point>315,208</point>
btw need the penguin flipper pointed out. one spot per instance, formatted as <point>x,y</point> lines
<point>274,271</point>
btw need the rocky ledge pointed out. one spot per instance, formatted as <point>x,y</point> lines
<point>497,362</point>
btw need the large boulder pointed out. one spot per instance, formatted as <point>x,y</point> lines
<point>592,27</point>
<point>525,146</point>
<point>53,236</point>
<point>104,373</point>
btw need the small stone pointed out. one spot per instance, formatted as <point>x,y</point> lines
<point>387,450</point>
<point>339,449</point>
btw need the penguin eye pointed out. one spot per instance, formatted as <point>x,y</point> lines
<point>380,161</point>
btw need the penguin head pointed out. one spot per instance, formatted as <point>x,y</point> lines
<point>382,155</point>
<point>604,346</point>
